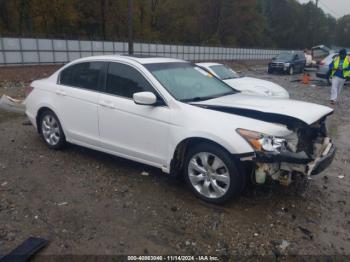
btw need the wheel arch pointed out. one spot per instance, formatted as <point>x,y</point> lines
<point>39,113</point>
<point>179,155</point>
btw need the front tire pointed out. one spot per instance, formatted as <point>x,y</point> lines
<point>211,174</point>
<point>51,130</point>
<point>291,70</point>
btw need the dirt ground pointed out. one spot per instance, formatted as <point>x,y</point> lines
<point>86,202</point>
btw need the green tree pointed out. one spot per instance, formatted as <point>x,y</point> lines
<point>248,23</point>
<point>241,23</point>
<point>343,31</point>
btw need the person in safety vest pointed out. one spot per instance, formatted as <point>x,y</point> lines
<point>339,70</point>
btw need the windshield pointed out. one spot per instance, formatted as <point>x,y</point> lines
<point>187,82</point>
<point>285,57</point>
<point>224,72</point>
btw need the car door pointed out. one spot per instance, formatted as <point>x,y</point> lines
<point>139,132</point>
<point>296,63</point>
<point>78,92</point>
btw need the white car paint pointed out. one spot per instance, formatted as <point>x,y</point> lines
<point>250,85</point>
<point>150,134</point>
<point>289,107</point>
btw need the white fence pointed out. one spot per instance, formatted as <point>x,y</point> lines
<point>22,51</point>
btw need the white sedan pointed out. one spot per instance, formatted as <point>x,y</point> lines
<point>175,116</point>
<point>247,85</point>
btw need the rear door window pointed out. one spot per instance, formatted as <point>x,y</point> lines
<point>83,75</point>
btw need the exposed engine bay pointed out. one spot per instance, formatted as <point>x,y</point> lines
<point>307,151</point>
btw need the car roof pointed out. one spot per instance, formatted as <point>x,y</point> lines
<point>208,64</point>
<point>138,59</point>
<point>292,52</point>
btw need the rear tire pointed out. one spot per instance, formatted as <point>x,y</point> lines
<point>212,174</point>
<point>51,130</point>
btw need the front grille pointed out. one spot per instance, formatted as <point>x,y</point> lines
<point>277,65</point>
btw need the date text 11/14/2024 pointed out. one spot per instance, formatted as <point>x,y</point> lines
<point>173,258</point>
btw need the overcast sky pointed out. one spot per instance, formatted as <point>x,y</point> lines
<point>337,8</point>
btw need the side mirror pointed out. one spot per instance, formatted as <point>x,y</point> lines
<point>145,98</point>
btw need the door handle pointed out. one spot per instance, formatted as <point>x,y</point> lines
<point>60,93</point>
<point>107,104</point>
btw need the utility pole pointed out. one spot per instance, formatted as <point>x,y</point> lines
<point>130,28</point>
<point>315,24</point>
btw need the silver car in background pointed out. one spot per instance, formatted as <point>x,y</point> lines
<point>323,67</point>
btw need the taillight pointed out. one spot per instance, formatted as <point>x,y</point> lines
<point>28,90</point>
<point>322,63</point>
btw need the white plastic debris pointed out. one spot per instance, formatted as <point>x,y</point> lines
<point>4,184</point>
<point>12,105</point>
<point>284,245</point>
<point>144,173</point>
<point>62,204</point>
<point>341,177</point>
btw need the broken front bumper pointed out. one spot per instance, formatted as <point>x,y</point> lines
<point>283,166</point>
<point>323,161</point>
<point>309,166</point>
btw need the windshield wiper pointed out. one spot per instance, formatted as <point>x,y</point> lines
<point>194,99</point>
<point>199,99</point>
<point>230,77</point>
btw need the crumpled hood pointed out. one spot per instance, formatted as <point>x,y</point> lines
<point>285,111</point>
<point>255,86</point>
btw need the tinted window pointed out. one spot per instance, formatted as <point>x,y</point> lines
<point>123,80</point>
<point>319,53</point>
<point>84,75</point>
<point>301,56</point>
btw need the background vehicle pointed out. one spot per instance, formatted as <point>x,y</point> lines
<point>320,52</point>
<point>323,67</point>
<point>175,116</point>
<point>288,62</point>
<point>247,85</point>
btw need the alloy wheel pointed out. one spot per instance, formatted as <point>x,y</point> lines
<point>209,175</point>
<point>50,130</point>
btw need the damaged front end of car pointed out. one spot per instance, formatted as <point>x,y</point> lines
<point>307,151</point>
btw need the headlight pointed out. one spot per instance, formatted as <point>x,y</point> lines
<point>263,142</point>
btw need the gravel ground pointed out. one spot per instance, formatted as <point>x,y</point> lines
<point>86,202</point>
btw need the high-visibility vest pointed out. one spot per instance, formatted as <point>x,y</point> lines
<point>346,73</point>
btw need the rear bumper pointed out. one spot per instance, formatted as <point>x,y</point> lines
<point>31,118</point>
<point>322,75</point>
